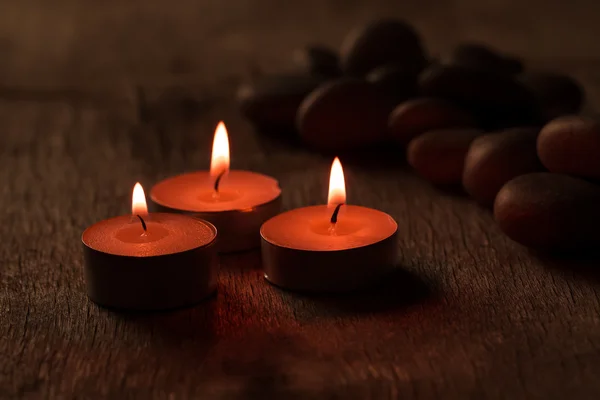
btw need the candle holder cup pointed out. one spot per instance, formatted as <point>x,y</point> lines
<point>238,229</point>
<point>328,271</point>
<point>151,282</point>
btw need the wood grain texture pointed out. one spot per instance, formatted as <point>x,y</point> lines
<point>469,315</point>
<point>81,42</point>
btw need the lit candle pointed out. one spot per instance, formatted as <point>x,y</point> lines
<point>236,202</point>
<point>332,248</point>
<point>148,261</point>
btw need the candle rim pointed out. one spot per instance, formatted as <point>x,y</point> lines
<point>208,224</point>
<point>350,206</point>
<point>133,257</point>
<point>275,189</point>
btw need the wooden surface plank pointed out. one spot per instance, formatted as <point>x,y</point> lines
<point>469,314</point>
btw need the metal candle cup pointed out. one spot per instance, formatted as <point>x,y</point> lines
<point>333,248</point>
<point>150,261</point>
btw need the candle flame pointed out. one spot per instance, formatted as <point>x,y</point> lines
<point>219,162</point>
<point>138,201</point>
<point>337,185</point>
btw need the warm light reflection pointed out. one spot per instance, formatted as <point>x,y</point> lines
<point>337,185</point>
<point>138,201</point>
<point>219,161</point>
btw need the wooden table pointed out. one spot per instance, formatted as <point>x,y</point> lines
<point>469,314</point>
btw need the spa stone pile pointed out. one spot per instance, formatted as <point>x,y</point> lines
<point>511,137</point>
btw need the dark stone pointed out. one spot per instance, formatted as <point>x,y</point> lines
<point>395,81</point>
<point>382,42</point>
<point>556,94</point>
<point>474,55</point>
<point>497,100</point>
<point>571,145</point>
<point>271,103</point>
<point>496,158</point>
<point>549,211</point>
<point>318,60</point>
<point>414,117</point>
<point>343,114</point>
<point>439,156</point>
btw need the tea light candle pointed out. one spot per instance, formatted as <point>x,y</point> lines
<point>332,248</point>
<point>236,202</point>
<point>149,261</point>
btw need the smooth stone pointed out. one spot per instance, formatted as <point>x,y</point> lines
<point>549,211</point>
<point>271,103</point>
<point>318,60</point>
<point>475,55</point>
<point>556,94</point>
<point>381,42</point>
<point>395,81</point>
<point>439,156</point>
<point>414,117</point>
<point>342,115</point>
<point>571,145</point>
<point>497,100</point>
<point>496,158</point>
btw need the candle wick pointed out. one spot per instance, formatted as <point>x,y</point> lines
<point>142,221</point>
<point>334,216</point>
<point>218,180</point>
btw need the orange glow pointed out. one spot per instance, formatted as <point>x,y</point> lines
<point>337,185</point>
<point>219,161</point>
<point>138,201</point>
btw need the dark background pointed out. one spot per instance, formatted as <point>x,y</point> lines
<point>469,315</point>
<point>67,42</point>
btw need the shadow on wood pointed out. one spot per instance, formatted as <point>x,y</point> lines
<point>452,190</point>
<point>176,325</point>
<point>243,260</point>
<point>580,264</point>
<point>399,290</point>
